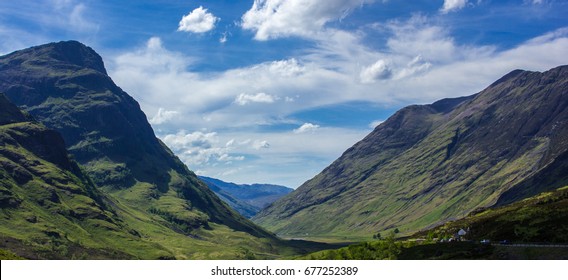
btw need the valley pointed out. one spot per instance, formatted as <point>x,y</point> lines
<point>85,177</point>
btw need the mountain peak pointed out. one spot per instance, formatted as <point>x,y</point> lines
<point>64,53</point>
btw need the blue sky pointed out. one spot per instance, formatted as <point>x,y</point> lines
<point>273,91</point>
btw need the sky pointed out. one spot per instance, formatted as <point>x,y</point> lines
<point>273,91</point>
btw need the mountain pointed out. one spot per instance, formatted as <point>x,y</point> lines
<point>65,87</point>
<point>48,206</point>
<point>428,164</point>
<point>246,199</point>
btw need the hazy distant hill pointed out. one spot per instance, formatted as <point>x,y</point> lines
<point>246,199</point>
<point>431,163</point>
<point>65,87</point>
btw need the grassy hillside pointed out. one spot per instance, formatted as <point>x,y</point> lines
<point>433,163</point>
<point>158,207</point>
<point>542,219</point>
<point>539,219</point>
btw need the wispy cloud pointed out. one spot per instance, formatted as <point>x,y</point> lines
<point>239,156</point>
<point>163,116</point>
<point>375,123</point>
<point>261,97</point>
<point>419,62</point>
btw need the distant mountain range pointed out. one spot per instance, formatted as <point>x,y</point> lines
<point>120,193</point>
<point>246,199</point>
<point>428,164</point>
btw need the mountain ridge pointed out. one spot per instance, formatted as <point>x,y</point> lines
<point>451,156</point>
<point>247,199</point>
<point>65,86</point>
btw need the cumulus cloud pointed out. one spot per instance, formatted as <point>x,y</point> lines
<point>286,68</point>
<point>198,21</point>
<point>199,149</point>
<point>306,127</point>
<point>379,70</point>
<point>271,19</point>
<point>261,97</point>
<point>163,116</point>
<point>453,5</point>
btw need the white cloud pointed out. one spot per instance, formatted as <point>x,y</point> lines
<point>38,21</point>
<point>375,123</point>
<point>223,38</point>
<point>261,97</point>
<point>283,157</point>
<point>286,68</point>
<point>198,21</point>
<point>271,19</point>
<point>424,61</point>
<point>78,20</point>
<point>257,145</point>
<point>163,116</point>
<point>200,149</point>
<point>379,70</point>
<point>306,127</point>
<point>426,64</point>
<point>414,67</point>
<point>453,5</point>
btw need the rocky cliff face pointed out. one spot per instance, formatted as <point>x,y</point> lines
<point>431,163</point>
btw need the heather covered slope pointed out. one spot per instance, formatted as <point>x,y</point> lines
<point>431,163</point>
<point>65,86</point>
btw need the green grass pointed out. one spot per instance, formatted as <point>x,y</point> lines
<point>539,219</point>
<point>542,218</point>
<point>51,213</point>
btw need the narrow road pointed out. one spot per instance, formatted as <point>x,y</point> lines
<point>532,245</point>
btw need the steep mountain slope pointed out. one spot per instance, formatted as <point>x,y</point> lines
<point>246,199</point>
<point>431,163</point>
<point>65,86</point>
<point>49,208</point>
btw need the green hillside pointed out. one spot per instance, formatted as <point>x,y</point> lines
<point>541,219</point>
<point>158,207</point>
<point>433,163</point>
